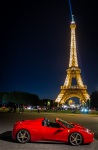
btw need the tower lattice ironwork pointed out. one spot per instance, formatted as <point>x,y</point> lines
<point>73,73</point>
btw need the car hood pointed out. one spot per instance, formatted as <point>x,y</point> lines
<point>78,126</point>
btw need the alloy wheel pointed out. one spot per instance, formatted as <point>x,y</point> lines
<point>75,139</point>
<point>23,136</point>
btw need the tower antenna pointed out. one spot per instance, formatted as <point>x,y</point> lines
<point>70,9</point>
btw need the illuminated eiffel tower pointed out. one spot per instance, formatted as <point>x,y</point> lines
<point>73,73</point>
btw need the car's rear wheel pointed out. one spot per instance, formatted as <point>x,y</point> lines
<point>75,139</point>
<point>23,136</point>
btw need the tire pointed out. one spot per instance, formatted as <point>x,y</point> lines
<point>75,139</point>
<point>23,136</point>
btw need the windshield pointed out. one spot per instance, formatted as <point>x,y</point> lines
<point>66,124</point>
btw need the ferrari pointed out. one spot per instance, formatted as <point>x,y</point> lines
<point>42,129</point>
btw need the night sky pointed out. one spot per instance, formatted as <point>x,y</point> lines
<point>35,44</point>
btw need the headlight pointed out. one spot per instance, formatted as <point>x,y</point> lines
<point>87,130</point>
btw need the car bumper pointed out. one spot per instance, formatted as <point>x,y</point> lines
<point>89,138</point>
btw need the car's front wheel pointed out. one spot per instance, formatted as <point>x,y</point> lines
<point>75,139</point>
<point>23,136</point>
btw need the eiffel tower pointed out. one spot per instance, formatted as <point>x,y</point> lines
<point>73,73</point>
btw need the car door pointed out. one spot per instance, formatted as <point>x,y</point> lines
<point>55,134</point>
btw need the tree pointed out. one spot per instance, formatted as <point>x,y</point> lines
<point>94,100</point>
<point>5,99</point>
<point>19,98</point>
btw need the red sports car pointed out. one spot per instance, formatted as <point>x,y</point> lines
<point>60,130</point>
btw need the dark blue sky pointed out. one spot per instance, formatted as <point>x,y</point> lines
<point>35,45</point>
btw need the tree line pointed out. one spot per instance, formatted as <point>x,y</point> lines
<point>24,98</point>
